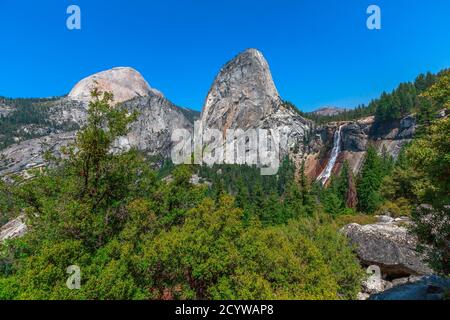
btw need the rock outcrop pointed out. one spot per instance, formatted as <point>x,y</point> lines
<point>157,119</point>
<point>125,83</point>
<point>388,246</point>
<point>13,229</point>
<point>395,269</point>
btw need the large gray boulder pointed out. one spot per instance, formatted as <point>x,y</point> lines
<point>389,246</point>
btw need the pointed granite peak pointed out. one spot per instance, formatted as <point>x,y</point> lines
<point>242,94</point>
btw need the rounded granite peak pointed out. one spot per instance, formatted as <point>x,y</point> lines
<point>125,83</point>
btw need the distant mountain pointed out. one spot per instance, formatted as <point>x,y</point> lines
<point>36,125</point>
<point>329,111</point>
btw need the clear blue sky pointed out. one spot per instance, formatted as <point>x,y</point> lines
<point>320,51</point>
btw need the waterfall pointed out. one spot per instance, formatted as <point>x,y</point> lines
<point>326,173</point>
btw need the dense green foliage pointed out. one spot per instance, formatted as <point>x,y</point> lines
<point>273,199</point>
<point>8,203</point>
<point>136,236</point>
<point>421,176</point>
<point>370,179</point>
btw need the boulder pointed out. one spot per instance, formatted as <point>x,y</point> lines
<point>407,122</point>
<point>362,296</point>
<point>388,246</point>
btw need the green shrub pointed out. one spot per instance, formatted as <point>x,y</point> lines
<point>395,209</point>
<point>361,219</point>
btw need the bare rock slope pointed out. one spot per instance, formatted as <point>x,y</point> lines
<point>124,82</point>
<point>242,94</point>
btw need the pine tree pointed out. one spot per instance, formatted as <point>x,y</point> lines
<point>369,182</point>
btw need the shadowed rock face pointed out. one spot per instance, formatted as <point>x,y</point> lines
<point>125,83</point>
<point>157,119</point>
<point>355,137</point>
<point>242,94</point>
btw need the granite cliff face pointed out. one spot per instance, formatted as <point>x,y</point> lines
<point>244,96</point>
<point>157,119</point>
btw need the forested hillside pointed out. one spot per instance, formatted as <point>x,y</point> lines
<point>138,237</point>
<point>405,99</point>
<point>25,118</point>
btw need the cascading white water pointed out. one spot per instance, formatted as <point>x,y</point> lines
<point>326,173</point>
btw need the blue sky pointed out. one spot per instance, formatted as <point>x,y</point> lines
<point>320,51</point>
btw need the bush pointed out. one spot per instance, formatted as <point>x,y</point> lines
<point>395,209</point>
<point>214,256</point>
<point>361,219</point>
